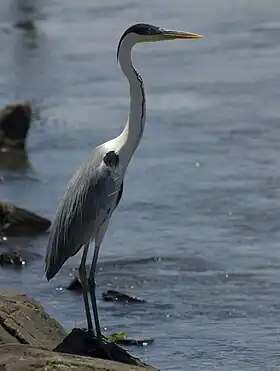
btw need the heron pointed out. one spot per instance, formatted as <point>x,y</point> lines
<point>95,190</point>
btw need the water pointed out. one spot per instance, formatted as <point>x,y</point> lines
<point>197,231</point>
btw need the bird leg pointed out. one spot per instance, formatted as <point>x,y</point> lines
<point>91,282</point>
<point>84,283</point>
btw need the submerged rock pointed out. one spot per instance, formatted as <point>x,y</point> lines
<point>15,122</point>
<point>31,338</point>
<point>17,221</point>
<point>114,295</point>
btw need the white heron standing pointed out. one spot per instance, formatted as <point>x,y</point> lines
<point>96,188</point>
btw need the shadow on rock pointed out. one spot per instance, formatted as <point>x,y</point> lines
<point>15,221</point>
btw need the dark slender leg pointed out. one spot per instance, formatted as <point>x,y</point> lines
<point>91,282</point>
<point>84,282</point>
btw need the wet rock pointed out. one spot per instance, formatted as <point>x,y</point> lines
<point>28,335</point>
<point>17,221</point>
<point>16,258</point>
<point>75,285</point>
<point>15,121</point>
<point>137,342</point>
<point>114,295</point>
<point>83,343</point>
<point>109,295</point>
<point>12,258</point>
<point>121,338</point>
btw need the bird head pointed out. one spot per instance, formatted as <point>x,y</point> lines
<point>142,32</point>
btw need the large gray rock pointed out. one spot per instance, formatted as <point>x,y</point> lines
<point>25,358</point>
<point>24,321</point>
<point>28,335</point>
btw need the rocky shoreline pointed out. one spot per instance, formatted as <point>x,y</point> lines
<point>32,340</point>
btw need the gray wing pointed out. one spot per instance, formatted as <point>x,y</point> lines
<point>91,197</point>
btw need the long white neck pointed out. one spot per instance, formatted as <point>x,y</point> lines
<point>131,135</point>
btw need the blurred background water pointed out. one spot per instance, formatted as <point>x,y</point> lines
<point>197,231</point>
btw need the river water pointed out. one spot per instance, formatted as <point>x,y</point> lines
<point>197,232</point>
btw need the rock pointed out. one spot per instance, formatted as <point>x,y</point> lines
<point>28,335</point>
<point>24,321</point>
<point>114,295</point>
<point>15,121</point>
<point>121,338</point>
<point>136,342</point>
<point>75,285</point>
<point>17,258</point>
<point>12,258</point>
<point>109,295</point>
<point>17,221</point>
<point>80,342</point>
<point>25,358</point>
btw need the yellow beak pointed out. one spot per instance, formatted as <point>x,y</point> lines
<point>172,34</point>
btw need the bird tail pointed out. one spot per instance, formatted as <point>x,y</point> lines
<point>54,257</point>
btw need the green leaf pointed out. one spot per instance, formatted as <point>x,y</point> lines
<point>117,336</point>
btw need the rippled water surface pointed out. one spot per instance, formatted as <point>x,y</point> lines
<point>197,231</point>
